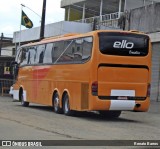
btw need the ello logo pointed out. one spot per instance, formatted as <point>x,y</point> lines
<point>123,45</point>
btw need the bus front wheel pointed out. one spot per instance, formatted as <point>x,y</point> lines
<point>23,103</point>
<point>56,103</point>
<point>66,106</point>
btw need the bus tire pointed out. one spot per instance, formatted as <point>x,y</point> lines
<point>110,114</point>
<point>66,106</point>
<point>56,104</point>
<point>23,103</point>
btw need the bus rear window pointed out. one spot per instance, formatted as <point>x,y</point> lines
<point>123,44</point>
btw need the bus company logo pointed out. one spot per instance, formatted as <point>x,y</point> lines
<point>123,44</point>
<point>6,143</point>
<point>134,52</point>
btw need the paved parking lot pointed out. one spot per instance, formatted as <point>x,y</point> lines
<point>38,122</point>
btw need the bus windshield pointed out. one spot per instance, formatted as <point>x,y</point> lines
<point>123,44</point>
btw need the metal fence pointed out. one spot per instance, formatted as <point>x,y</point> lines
<point>109,20</point>
<point>5,85</point>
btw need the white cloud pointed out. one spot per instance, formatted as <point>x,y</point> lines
<point>10,13</point>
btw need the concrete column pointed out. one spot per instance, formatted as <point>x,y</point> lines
<point>83,15</point>
<point>144,2</point>
<point>101,10</point>
<point>124,5</point>
<point>69,9</point>
<point>120,5</point>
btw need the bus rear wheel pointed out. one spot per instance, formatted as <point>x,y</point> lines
<point>56,104</point>
<point>23,103</point>
<point>66,106</point>
<point>110,114</point>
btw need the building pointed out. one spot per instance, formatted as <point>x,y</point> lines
<point>80,15</point>
<point>7,55</point>
<point>7,48</point>
<point>105,12</point>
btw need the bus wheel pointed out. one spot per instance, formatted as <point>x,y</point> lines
<point>110,114</point>
<point>23,103</point>
<point>56,103</point>
<point>66,106</point>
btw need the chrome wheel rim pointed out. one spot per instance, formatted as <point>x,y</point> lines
<point>56,103</point>
<point>22,99</point>
<point>66,106</point>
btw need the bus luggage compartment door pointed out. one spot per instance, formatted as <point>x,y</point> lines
<point>120,80</point>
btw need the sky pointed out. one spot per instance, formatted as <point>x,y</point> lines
<point>10,14</point>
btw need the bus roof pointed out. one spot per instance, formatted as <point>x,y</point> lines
<point>76,35</point>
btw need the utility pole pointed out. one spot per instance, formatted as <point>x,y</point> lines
<point>1,43</point>
<point>43,20</point>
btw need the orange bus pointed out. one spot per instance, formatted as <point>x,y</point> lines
<point>104,71</point>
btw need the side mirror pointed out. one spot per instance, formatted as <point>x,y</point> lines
<point>15,69</point>
<point>14,63</point>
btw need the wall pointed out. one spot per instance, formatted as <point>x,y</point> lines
<point>132,4</point>
<point>155,77</point>
<point>146,19</point>
<point>54,29</point>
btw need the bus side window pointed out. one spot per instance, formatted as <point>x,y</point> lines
<point>18,56</point>
<point>58,49</point>
<point>24,56</point>
<point>87,48</point>
<point>40,54</point>
<point>67,56</point>
<point>78,50</point>
<point>31,55</point>
<point>48,53</point>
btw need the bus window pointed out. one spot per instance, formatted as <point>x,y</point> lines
<point>87,48</point>
<point>67,55</point>
<point>31,55</point>
<point>40,54</point>
<point>24,56</point>
<point>18,56</point>
<point>78,50</point>
<point>48,53</point>
<point>57,50</point>
<point>123,44</point>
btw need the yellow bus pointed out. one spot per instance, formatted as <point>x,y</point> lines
<point>104,71</point>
